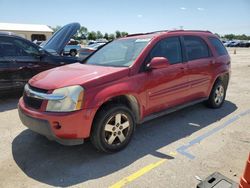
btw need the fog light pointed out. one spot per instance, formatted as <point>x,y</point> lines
<point>56,125</point>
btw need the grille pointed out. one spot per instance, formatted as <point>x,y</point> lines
<point>34,102</point>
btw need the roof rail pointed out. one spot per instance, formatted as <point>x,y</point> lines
<point>169,31</point>
<point>136,34</point>
<point>191,31</point>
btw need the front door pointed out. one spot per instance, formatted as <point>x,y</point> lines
<point>20,60</point>
<point>167,87</point>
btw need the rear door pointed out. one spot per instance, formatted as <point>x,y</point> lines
<point>200,66</point>
<point>167,87</point>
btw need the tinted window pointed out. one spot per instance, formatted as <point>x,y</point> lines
<point>27,49</point>
<point>219,47</point>
<point>196,48</point>
<point>15,47</point>
<point>73,42</point>
<point>38,37</point>
<point>8,47</point>
<point>169,48</point>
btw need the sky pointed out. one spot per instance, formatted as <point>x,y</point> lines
<point>133,16</point>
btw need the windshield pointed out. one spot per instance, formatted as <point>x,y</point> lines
<point>119,53</point>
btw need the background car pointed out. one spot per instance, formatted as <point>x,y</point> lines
<point>85,52</point>
<point>72,48</point>
<point>21,59</point>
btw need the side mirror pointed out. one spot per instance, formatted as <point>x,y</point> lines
<point>42,52</point>
<point>158,63</point>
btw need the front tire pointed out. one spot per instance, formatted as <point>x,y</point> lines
<point>217,95</point>
<point>113,128</point>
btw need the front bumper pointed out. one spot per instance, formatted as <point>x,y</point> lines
<point>65,128</point>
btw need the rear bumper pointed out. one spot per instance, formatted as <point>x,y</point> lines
<point>65,128</point>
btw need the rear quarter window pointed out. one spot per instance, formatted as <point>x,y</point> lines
<point>219,47</point>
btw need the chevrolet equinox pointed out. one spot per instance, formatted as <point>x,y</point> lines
<point>127,82</point>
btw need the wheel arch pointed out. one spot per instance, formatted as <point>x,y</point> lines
<point>128,100</point>
<point>224,77</point>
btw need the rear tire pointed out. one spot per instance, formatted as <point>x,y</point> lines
<point>217,95</point>
<point>113,128</point>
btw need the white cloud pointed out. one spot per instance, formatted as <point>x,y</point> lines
<point>183,8</point>
<point>200,9</point>
<point>139,16</point>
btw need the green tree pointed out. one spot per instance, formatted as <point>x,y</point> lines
<point>124,34</point>
<point>99,35</point>
<point>106,36</point>
<point>92,35</point>
<point>82,33</point>
<point>117,34</point>
<point>111,36</point>
<point>229,36</point>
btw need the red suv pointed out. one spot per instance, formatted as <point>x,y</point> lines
<point>128,81</point>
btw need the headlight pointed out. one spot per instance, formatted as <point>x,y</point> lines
<point>71,102</point>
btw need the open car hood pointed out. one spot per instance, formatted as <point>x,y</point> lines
<point>60,39</point>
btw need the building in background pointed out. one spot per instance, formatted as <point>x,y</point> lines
<point>29,31</point>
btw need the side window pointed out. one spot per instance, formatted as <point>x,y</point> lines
<point>27,49</point>
<point>39,37</point>
<point>8,47</point>
<point>169,48</point>
<point>219,47</point>
<point>196,48</point>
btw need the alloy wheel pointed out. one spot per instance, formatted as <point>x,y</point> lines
<point>219,95</point>
<point>116,129</point>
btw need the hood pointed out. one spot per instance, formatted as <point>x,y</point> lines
<point>60,39</point>
<point>77,74</point>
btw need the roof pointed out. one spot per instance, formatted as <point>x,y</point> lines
<point>8,33</point>
<point>24,27</point>
<point>168,31</point>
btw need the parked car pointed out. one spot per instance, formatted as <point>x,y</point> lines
<point>127,82</point>
<point>234,44</point>
<point>245,44</point>
<point>21,59</point>
<point>227,44</point>
<point>72,48</point>
<point>88,50</point>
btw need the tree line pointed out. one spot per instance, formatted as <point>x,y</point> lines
<point>83,33</point>
<point>236,37</point>
<point>233,37</point>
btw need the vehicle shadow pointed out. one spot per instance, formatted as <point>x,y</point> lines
<point>57,165</point>
<point>9,101</point>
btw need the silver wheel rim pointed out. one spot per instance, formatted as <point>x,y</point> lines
<point>73,53</point>
<point>219,95</point>
<point>116,129</point>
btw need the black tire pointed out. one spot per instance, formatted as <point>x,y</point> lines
<point>107,117</point>
<point>213,100</point>
<point>73,53</point>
